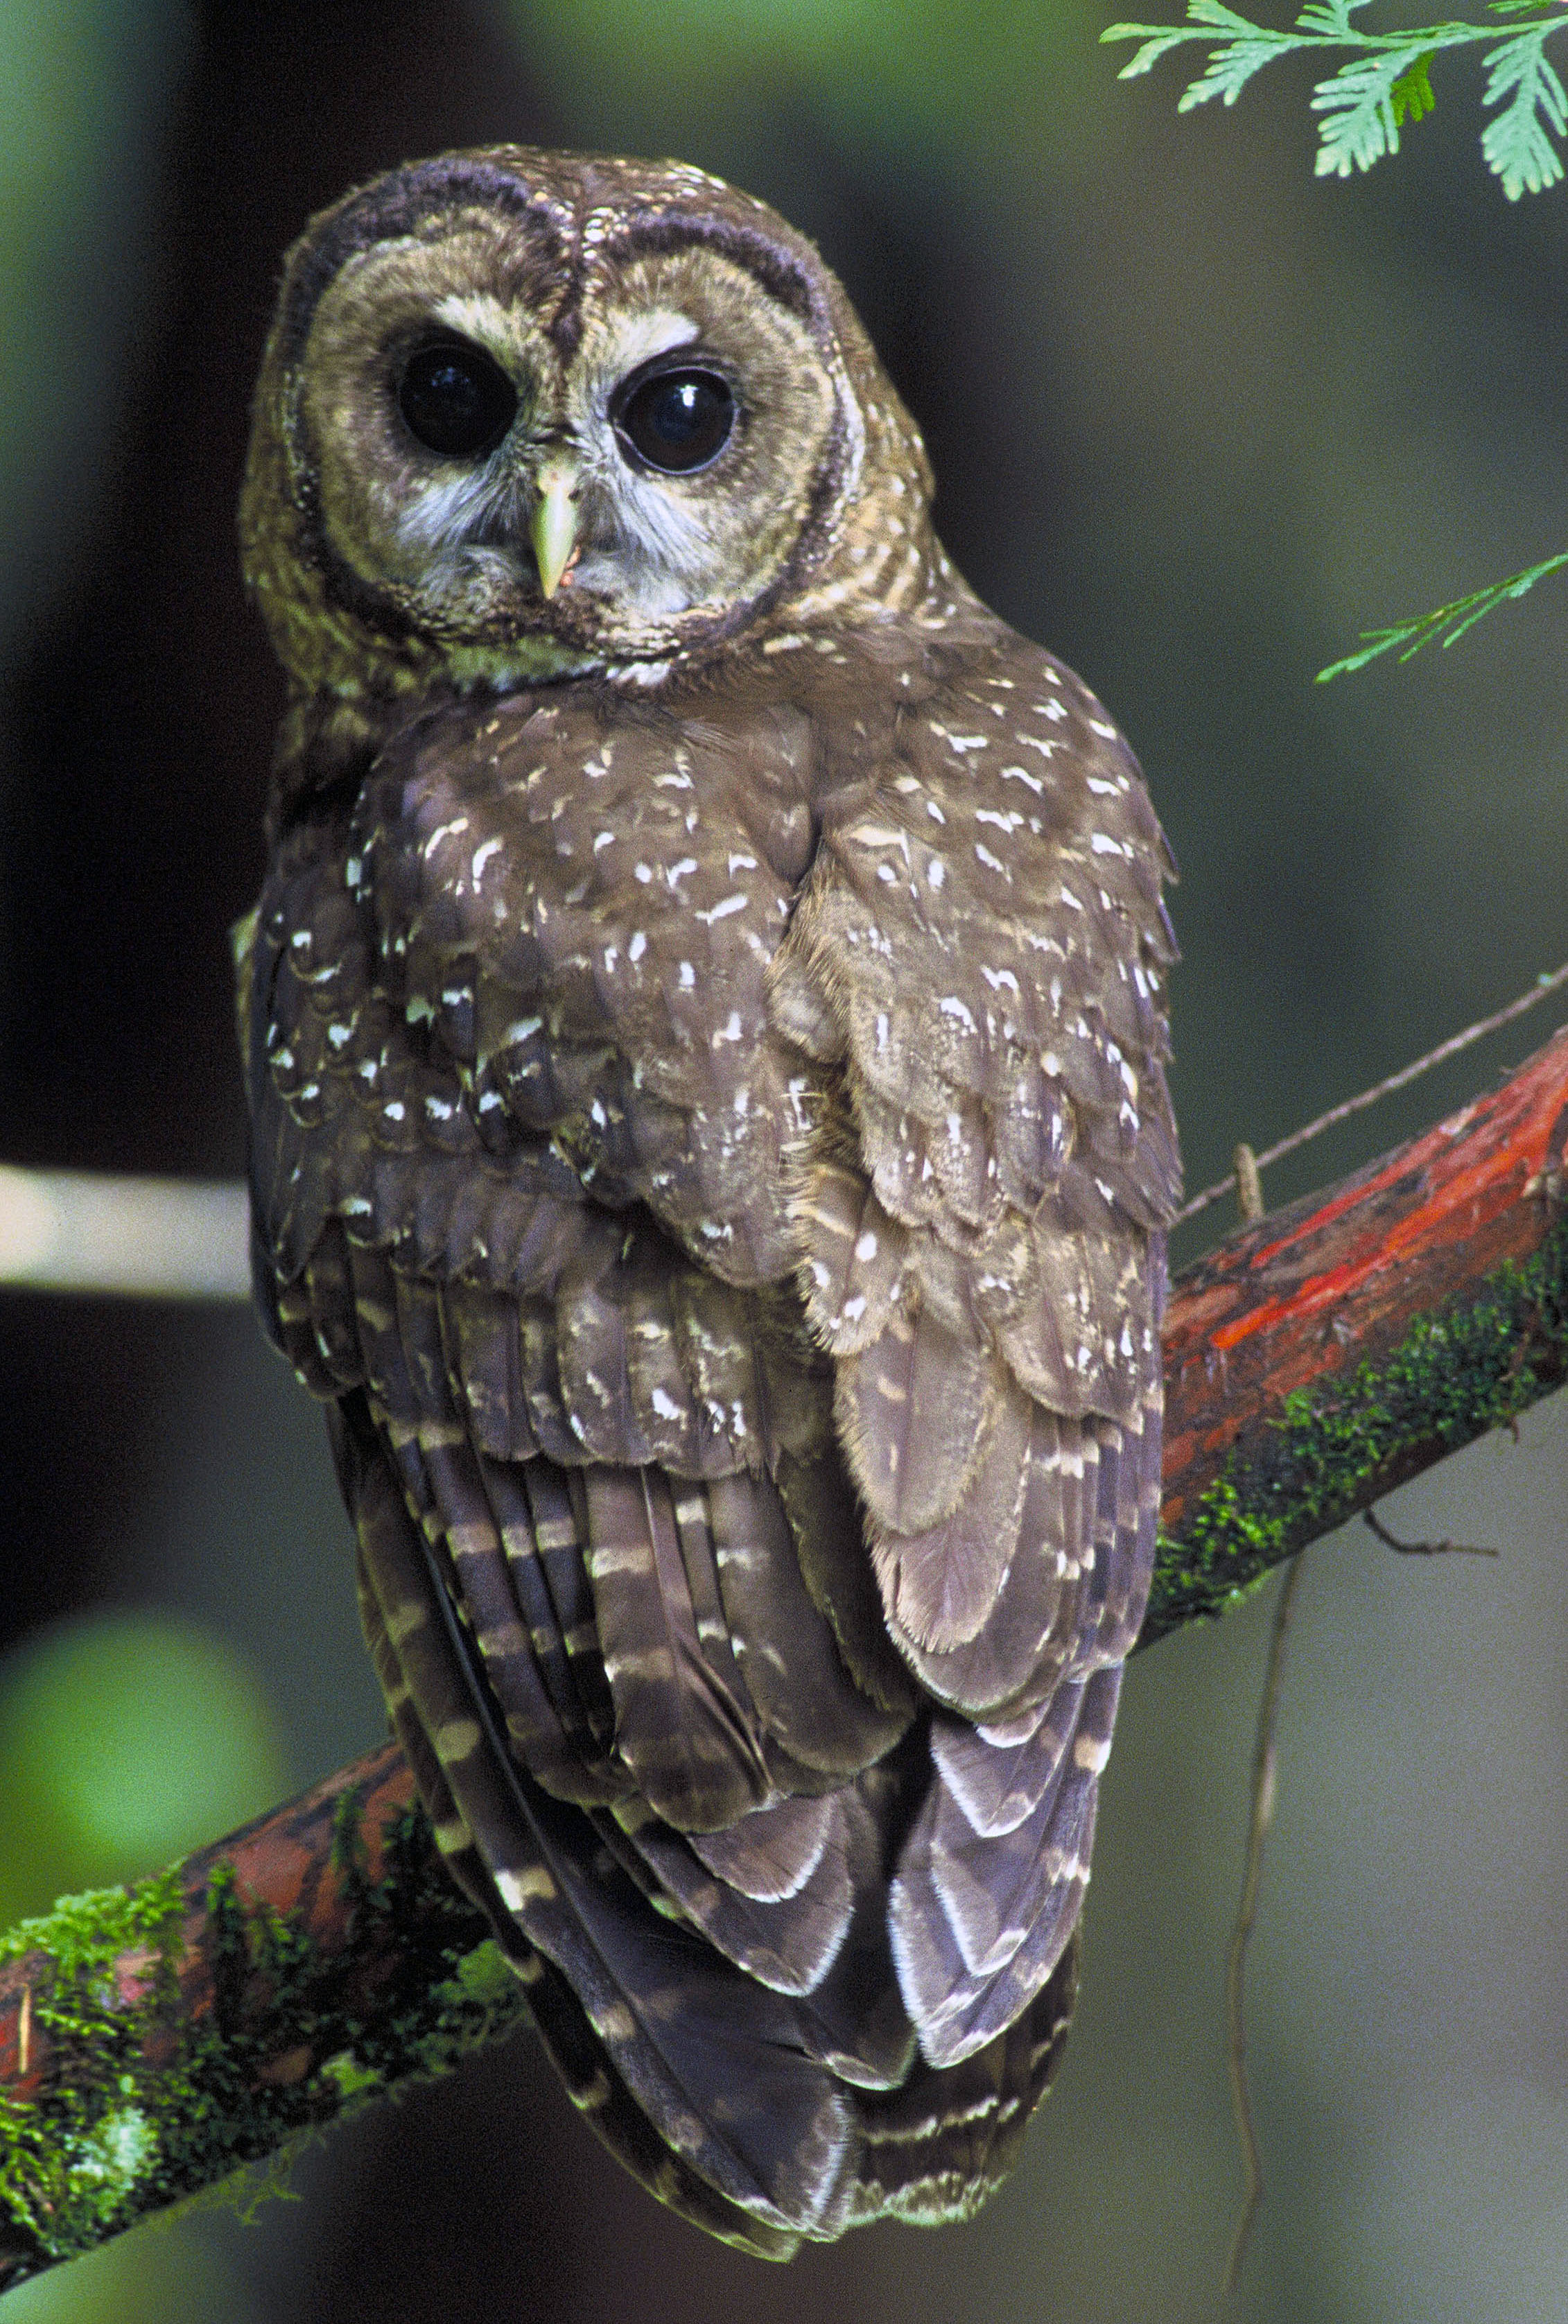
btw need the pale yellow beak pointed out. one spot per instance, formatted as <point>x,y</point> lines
<point>554,529</point>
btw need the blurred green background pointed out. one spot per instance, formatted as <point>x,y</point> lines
<point>1197,419</point>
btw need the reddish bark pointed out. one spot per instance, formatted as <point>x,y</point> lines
<point>1338,1278</point>
<point>285,1860</point>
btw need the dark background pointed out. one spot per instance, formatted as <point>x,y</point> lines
<point>1197,417</point>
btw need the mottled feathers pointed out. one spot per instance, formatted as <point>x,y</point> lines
<point>705,1027</point>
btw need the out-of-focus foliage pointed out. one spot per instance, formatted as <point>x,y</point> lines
<point>977,76</point>
<point>151,2277</point>
<point>125,1740</point>
<point>1362,104</point>
<point>84,90</point>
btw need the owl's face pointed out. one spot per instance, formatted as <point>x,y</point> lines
<point>524,414</point>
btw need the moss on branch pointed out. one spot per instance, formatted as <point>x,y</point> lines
<point>1338,1444</point>
<point>164,2074</point>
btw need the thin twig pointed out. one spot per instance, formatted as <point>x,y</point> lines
<point>1248,1185</point>
<point>1263,1766</point>
<point>1337,1113</point>
<point>1422,1548</point>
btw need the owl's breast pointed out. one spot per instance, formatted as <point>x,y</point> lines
<point>576,911</point>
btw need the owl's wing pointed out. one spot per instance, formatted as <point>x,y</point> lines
<point>558,1437</point>
<point>977,965</point>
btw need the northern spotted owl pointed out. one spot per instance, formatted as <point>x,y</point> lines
<point>705,1026</point>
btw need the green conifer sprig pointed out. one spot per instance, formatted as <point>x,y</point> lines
<point>1407,638</point>
<point>1385,81</point>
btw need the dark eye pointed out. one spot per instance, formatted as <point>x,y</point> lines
<point>456,399</point>
<point>679,421</point>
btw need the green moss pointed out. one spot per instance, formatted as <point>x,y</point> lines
<point>143,2110</point>
<point>1338,1444</point>
<point>67,2169</point>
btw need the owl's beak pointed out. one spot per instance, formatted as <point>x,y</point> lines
<point>554,528</point>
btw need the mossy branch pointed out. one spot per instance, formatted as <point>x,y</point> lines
<point>154,2038</point>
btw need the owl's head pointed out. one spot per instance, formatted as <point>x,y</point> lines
<point>523,414</point>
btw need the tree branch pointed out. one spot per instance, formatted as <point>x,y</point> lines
<point>152,2040</point>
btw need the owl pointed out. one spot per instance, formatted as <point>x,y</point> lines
<point>705,1027</point>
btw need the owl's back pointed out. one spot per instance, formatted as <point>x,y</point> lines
<point>734,1283</point>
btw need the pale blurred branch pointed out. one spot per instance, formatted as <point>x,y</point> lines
<point>150,1238</point>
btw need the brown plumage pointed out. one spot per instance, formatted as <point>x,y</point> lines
<point>704,1026</point>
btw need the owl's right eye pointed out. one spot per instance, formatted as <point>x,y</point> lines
<point>457,400</point>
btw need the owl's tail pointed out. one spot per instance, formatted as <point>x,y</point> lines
<point>695,2078</point>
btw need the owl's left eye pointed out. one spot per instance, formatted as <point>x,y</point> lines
<point>677,421</point>
<point>457,400</point>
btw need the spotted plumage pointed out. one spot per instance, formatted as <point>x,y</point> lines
<point>704,1026</point>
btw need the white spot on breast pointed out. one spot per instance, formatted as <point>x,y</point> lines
<point>1099,726</point>
<point>953,1007</point>
<point>687,976</point>
<point>866,1248</point>
<point>638,946</point>
<point>603,839</point>
<point>722,911</point>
